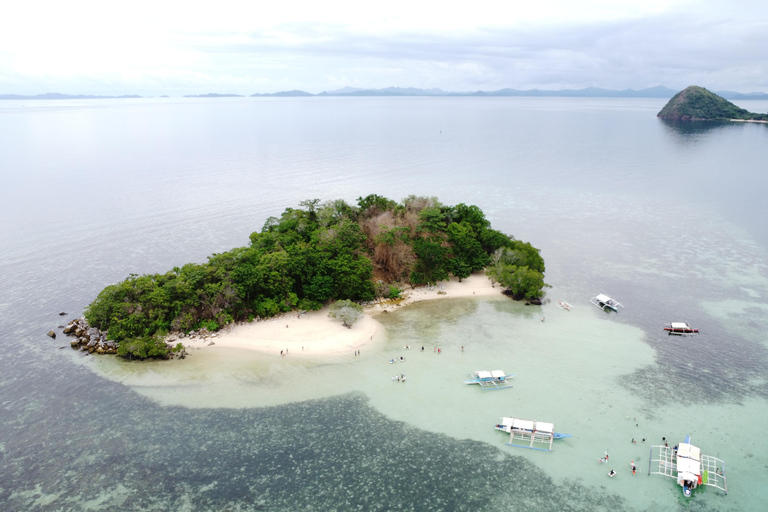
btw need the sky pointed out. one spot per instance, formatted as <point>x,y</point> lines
<point>171,47</point>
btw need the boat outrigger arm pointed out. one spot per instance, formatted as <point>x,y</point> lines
<point>688,466</point>
<point>530,432</point>
<point>495,379</point>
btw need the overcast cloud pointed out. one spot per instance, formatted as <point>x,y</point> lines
<point>234,46</point>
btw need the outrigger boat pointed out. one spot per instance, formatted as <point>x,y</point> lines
<point>686,464</point>
<point>564,305</point>
<point>604,301</point>
<point>495,379</point>
<point>531,432</point>
<point>679,328</point>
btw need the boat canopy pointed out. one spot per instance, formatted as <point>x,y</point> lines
<point>679,325</point>
<point>483,375</point>
<point>689,451</point>
<point>603,298</point>
<point>548,428</point>
<point>498,374</point>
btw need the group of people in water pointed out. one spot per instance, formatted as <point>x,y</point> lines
<point>632,466</point>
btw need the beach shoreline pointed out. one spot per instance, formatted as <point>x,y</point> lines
<point>315,334</point>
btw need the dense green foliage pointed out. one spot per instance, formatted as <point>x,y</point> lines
<point>310,256</point>
<point>520,269</point>
<point>697,103</point>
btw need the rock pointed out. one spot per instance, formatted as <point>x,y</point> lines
<point>74,343</point>
<point>211,343</point>
<point>62,313</point>
<point>52,334</point>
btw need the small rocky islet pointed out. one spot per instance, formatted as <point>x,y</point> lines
<point>696,103</point>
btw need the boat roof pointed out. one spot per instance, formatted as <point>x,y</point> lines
<point>689,451</point>
<point>678,325</point>
<point>483,374</point>
<point>522,424</point>
<point>602,297</point>
<point>497,374</point>
<point>539,426</point>
<point>688,466</point>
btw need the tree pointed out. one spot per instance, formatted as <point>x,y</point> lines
<point>348,311</point>
<point>520,280</point>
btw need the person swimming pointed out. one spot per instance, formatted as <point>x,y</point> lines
<point>611,473</point>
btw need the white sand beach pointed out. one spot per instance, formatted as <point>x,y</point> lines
<point>314,333</point>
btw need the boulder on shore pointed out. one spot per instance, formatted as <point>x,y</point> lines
<point>52,334</point>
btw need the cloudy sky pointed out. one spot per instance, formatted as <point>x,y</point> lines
<point>238,46</point>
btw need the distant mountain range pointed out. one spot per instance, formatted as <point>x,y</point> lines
<point>589,92</point>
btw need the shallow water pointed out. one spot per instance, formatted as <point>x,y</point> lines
<point>664,218</point>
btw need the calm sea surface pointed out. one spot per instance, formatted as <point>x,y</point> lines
<point>669,219</point>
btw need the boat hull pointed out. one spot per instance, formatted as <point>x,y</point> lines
<point>671,330</point>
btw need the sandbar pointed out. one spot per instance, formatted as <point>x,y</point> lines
<point>315,334</point>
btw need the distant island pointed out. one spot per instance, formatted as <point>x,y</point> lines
<point>304,259</point>
<point>696,103</point>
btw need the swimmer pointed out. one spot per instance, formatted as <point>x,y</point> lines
<point>611,473</point>
<point>633,467</point>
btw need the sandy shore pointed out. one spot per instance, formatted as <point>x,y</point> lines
<point>315,333</point>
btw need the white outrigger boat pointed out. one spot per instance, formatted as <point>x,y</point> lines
<point>604,301</point>
<point>495,379</point>
<point>530,432</point>
<point>679,328</point>
<point>564,305</point>
<point>686,464</point>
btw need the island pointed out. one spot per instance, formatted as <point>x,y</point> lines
<point>696,103</point>
<point>305,260</point>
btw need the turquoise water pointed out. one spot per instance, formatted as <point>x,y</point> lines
<point>667,219</point>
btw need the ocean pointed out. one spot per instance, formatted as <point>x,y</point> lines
<point>667,218</point>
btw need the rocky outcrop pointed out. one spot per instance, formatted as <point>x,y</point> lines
<point>93,340</point>
<point>89,339</point>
